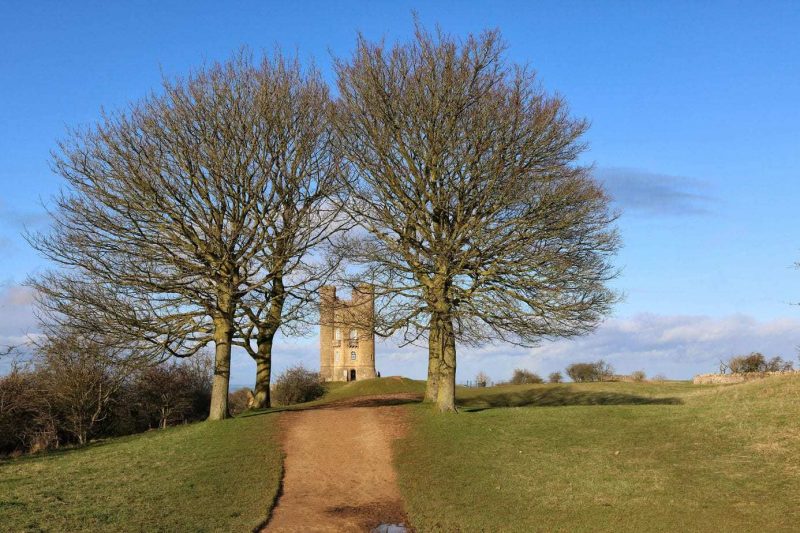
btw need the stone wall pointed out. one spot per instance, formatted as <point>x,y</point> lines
<point>707,379</point>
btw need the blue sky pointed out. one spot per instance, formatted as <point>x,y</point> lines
<point>695,129</point>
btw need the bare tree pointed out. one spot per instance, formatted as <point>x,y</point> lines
<point>301,180</point>
<point>162,228</point>
<point>145,328</point>
<point>170,390</point>
<point>80,378</point>
<point>482,225</point>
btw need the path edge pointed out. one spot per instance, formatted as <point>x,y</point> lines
<point>276,498</point>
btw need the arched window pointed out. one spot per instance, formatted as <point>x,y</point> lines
<point>352,356</point>
<point>353,334</point>
<point>337,334</point>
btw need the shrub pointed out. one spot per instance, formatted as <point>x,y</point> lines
<point>555,377</point>
<point>297,385</point>
<point>638,375</point>
<point>756,362</point>
<point>522,376</point>
<point>481,380</point>
<point>73,392</point>
<point>579,372</point>
<point>23,421</point>
<point>659,378</point>
<point>173,392</point>
<point>597,371</point>
<point>81,382</point>
<point>240,401</point>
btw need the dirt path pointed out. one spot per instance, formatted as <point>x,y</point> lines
<point>338,467</point>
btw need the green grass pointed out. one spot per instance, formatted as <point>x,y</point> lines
<point>372,387</point>
<point>579,457</point>
<point>607,457</point>
<point>210,476</point>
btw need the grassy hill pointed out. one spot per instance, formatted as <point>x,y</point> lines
<point>372,387</point>
<point>210,476</point>
<point>666,456</point>
<point>608,457</point>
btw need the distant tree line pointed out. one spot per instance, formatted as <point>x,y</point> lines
<point>577,372</point>
<point>73,392</point>
<point>753,363</point>
<point>600,370</point>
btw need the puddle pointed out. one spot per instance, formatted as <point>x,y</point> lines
<point>390,528</point>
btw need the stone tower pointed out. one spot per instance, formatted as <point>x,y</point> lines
<point>346,339</point>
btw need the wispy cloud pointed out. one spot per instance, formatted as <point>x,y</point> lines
<point>17,219</point>
<point>639,191</point>
<point>13,222</point>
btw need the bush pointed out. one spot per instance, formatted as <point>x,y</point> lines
<point>74,392</point>
<point>522,376</point>
<point>579,372</point>
<point>597,371</point>
<point>23,421</point>
<point>297,385</point>
<point>81,381</point>
<point>756,362</point>
<point>173,393</point>
<point>555,377</point>
<point>481,380</point>
<point>638,375</point>
<point>240,401</point>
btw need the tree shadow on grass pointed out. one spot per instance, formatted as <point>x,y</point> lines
<point>382,400</point>
<point>491,399</point>
<point>556,397</point>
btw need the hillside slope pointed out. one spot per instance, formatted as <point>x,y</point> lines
<point>210,476</point>
<point>608,457</point>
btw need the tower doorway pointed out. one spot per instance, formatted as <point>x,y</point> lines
<point>352,374</point>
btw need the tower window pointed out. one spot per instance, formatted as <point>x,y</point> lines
<point>337,355</point>
<point>352,356</point>
<point>337,334</point>
<point>353,334</point>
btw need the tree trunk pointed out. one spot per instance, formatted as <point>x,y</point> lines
<point>223,335</point>
<point>261,398</point>
<point>446,395</point>
<point>434,360</point>
<point>266,336</point>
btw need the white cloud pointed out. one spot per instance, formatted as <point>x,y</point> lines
<point>16,312</point>
<point>677,346</point>
<point>17,322</point>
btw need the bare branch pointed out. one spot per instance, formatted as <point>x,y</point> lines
<point>463,173</point>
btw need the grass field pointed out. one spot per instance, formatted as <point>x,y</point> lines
<point>666,456</point>
<point>608,457</point>
<point>220,476</point>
